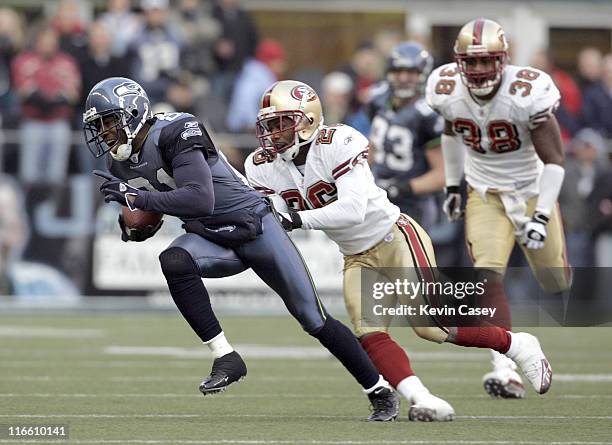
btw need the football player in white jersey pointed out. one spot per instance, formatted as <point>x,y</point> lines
<point>319,178</point>
<point>501,132</point>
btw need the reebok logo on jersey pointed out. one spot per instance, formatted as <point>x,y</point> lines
<point>122,187</point>
<point>348,140</point>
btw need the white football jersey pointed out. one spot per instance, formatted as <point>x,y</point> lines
<point>333,154</point>
<point>496,133</point>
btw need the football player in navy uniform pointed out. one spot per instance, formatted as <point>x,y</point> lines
<point>168,163</point>
<point>405,134</point>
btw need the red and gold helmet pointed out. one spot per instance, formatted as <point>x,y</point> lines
<point>288,105</point>
<point>481,39</point>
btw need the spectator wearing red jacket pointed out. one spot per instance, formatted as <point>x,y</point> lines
<point>47,82</point>
<point>569,111</point>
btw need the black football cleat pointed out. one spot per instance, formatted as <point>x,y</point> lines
<point>225,370</point>
<point>385,405</point>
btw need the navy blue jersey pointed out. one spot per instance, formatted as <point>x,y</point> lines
<point>170,135</point>
<point>400,137</point>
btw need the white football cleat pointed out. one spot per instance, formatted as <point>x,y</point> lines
<point>503,382</point>
<point>526,352</point>
<point>429,408</point>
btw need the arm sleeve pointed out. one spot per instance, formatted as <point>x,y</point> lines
<point>551,182</point>
<point>454,154</point>
<point>350,207</point>
<point>194,196</point>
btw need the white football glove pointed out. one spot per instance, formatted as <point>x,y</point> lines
<point>452,203</point>
<point>535,231</point>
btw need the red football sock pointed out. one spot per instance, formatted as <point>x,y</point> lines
<point>494,296</point>
<point>492,337</point>
<point>389,357</point>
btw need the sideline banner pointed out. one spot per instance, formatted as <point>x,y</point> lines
<point>135,266</point>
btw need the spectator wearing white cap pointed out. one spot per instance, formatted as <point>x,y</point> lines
<point>336,94</point>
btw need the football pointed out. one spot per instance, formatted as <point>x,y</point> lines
<point>139,219</point>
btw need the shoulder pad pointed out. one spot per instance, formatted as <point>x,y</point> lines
<point>257,169</point>
<point>534,93</point>
<point>423,108</point>
<point>442,84</point>
<point>173,116</point>
<point>258,158</point>
<point>337,135</point>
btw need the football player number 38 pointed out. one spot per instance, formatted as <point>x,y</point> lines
<point>502,135</point>
<point>399,140</point>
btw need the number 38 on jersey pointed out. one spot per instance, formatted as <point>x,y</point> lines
<point>525,97</point>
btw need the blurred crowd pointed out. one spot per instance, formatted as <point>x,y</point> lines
<point>207,57</point>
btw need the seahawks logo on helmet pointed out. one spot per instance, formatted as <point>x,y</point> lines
<point>128,89</point>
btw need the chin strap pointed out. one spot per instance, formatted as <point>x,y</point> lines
<point>290,154</point>
<point>124,151</point>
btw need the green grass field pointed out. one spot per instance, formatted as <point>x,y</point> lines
<point>75,369</point>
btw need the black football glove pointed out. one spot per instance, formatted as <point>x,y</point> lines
<point>137,235</point>
<point>452,203</point>
<point>290,220</point>
<point>399,189</point>
<point>115,189</point>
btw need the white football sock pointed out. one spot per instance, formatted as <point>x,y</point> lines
<point>381,382</point>
<point>219,346</point>
<point>500,361</point>
<point>514,348</point>
<point>411,388</point>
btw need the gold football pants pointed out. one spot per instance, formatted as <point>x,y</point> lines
<point>490,239</point>
<point>406,246</point>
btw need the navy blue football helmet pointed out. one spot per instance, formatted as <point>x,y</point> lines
<point>408,56</point>
<point>115,111</point>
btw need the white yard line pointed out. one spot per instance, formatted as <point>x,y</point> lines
<point>271,415</point>
<point>262,396</point>
<point>313,442</point>
<point>48,332</point>
<point>581,378</point>
<point>72,363</point>
<point>284,352</point>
